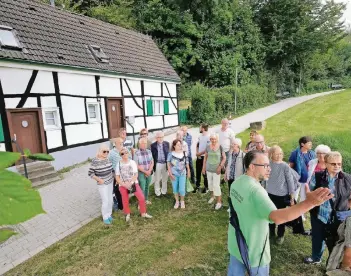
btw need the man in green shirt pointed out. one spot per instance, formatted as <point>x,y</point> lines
<point>255,210</point>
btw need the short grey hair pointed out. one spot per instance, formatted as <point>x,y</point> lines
<point>332,155</point>
<point>159,133</point>
<point>180,133</point>
<point>237,141</point>
<point>214,135</point>
<point>322,149</point>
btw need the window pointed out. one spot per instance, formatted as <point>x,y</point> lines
<point>157,107</point>
<point>51,118</point>
<point>93,110</point>
<point>8,38</point>
<point>99,54</point>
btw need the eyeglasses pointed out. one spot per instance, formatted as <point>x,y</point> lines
<point>260,142</point>
<point>266,166</point>
<point>143,134</point>
<point>159,137</point>
<point>321,153</point>
<point>335,164</point>
<point>123,153</point>
<point>105,151</point>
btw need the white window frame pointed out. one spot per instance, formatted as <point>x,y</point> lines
<point>161,108</point>
<point>57,125</point>
<point>96,120</point>
<point>14,34</point>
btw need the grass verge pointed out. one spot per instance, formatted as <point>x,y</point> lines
<point>6,234</point>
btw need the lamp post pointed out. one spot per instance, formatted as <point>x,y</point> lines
<point>130,121</point>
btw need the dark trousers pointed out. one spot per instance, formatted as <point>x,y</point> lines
<point>192,173</point>
<point>322,234</point>
<point>199,164</point>
<point>280,202</point>
<point>117,195</point>
<point>230,181</point>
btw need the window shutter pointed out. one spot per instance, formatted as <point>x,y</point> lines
<point>166,106</point>
<point>2,139</point>
<point>149,109</point>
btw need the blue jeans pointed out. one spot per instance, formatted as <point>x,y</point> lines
<point>318,236</point>
<point>237,268</point>
<point>178,185</point>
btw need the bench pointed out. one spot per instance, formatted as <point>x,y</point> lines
<point>283,94</point>
<point>336,86</point>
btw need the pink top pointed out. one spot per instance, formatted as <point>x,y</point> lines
<point>318,168</point>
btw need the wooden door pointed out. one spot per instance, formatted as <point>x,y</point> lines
<point>26,124</point>
<point>115,116</point>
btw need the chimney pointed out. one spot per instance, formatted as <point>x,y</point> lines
<point>52,3</point>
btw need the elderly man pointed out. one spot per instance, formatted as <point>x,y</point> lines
<point>326,218</point>
<point>189,140</point>
<point>255,211</point>
<point>160,150</point>
<point>145,162</point>
<point>226,136</point>
<point>144,134</point>
<point>180,136</point>
<point>260,144</point>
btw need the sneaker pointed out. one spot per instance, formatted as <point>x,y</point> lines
<point>146,215</point>
<point>110,219</point>
<point>204,191</point>
<point>211,200</point>
<point>107,222</point>
<point>309,260</point>
<point>182,204</point>
<point>176,205</point>
<point>148,202</point>
<point>228,210</point>
<point>195,190</point>
<point>218,206</point>
<point>280,240</point>
<point>128,218</point>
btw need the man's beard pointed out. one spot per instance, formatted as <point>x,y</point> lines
<point>261,178</point>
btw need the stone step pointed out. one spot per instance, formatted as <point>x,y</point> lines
<point>46,181</point>
<point>33,166</point>
<point>43,176</point>
<point>38,171</point>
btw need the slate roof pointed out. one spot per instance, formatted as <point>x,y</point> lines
<point>48,33</point>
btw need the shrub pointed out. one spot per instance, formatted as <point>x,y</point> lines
<point>223,103</point>
<point>202,105</point>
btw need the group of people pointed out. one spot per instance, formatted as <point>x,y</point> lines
<point>261,196</point>
<point>261,187</point>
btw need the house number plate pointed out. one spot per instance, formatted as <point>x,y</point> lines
<point>25,123</point>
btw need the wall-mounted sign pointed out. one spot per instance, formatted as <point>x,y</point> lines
<point>25,123</point>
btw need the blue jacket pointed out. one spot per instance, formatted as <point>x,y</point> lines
<point>154,151</point>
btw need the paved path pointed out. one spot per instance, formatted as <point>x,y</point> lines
<point>74,201</point>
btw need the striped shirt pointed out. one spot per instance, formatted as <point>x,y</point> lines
<point>280,182</point>
<point>161,158</point>
<point>143,158</point>
<point>101,168</point>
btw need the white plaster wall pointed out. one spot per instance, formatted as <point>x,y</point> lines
<point>152,88</point>
<point>12,102</point>
<point>138,125</point>
<point>14,81</point>
<point>73,109</point>
<point>110,87</point>
<point>53,139</point>
<point>44,83</point>
<point>104,120</point>
<point>49,101</point>
<point>171,120</point>
<point>131,109</point>
<point>134,85</point>
<point>75,84</point>
<point>82,133</point>
<point>172,89</point>
<point>2,147</point>
<point>172,109</point>
<point>154,122</point>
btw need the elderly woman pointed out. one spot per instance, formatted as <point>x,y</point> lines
<point>101,171</point>
<point>178,166</point>
<point>317,164</point>
<point>326,218</point>
<point>213,162</point>
<point>145,162</point>
<point>280,187</point>
<point>235,166</point>
<point>114,157</point>
<point>251,145</point>
<point>127,179</point>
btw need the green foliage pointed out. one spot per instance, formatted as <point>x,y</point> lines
<point>7,159</point>
<point>202,105</point>
<point>223,102</point>
<point>5,234</point>
<point>41,156</point>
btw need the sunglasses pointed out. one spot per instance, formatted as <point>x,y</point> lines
<point>105,151</point>
<point>143,134</point>
<point>123,153</point>
<point>335,164</point>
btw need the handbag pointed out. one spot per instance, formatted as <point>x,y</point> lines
<point>132,189</point>
<point>189,187</point>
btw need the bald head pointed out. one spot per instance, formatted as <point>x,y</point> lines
<point>259,141</point>
<point>225,123</point>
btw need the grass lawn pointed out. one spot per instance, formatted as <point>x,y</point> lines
<point>193,241</point>
<point>5,234</point>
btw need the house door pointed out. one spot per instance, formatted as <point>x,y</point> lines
<point>26,124</point>
<point>115,116</point>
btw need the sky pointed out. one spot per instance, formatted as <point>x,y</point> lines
<point>347,13</point>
